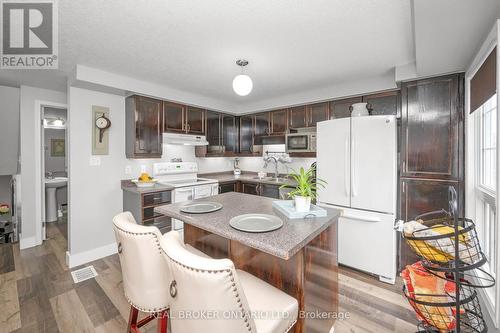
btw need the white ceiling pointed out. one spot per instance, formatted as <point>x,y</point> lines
<point>293,46</point>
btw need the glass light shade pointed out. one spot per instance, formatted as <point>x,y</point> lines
<point>242,84</point>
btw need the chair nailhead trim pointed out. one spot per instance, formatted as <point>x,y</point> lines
<point>157,241</point>
<point>235,290</point>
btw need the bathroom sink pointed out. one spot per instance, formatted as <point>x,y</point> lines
<point>51,185</point>
<point>56,182</point>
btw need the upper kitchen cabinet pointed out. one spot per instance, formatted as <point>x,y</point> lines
<point>246,128</point>
<point>341,108</point>
<point>317,112</point>
<point>262,122</point>
<point>143,127</point>
<point>298,117</point>
<point>385,103</point>
<point>179,118</point>
<point>173,117</point>
<point>213,133</point>
<point>431,128</point>
<point>195,120</point>
<point>229,135</point>
<point>279,122</point>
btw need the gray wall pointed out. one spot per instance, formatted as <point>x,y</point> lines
<point>9,130</point>
<point>55,164</point>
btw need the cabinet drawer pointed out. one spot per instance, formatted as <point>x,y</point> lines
<point>230,187</point>
<point>156,198</point>
<point>164,223</point>
<point>148,213</point>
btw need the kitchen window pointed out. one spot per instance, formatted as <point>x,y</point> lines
<point>485,180</point>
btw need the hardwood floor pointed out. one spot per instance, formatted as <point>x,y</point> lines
<point>37,294</point>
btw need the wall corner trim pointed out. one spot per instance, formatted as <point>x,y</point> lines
<point>77,259</point>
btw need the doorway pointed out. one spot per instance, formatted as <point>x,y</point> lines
<point>54,173</point>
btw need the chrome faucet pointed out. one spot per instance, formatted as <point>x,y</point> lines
<point>274,159</point>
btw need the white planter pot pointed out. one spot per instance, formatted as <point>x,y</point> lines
<point>359,110</point>
<point>302,204</point>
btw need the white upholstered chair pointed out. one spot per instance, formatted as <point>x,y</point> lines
<point>146,275</point>
<point>211,296</point>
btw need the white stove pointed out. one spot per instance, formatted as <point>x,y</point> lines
<point>183,176</point>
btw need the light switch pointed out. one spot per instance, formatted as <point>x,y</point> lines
<point>95,161</point>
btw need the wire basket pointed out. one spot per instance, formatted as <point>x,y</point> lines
<point>437,312</point>
<point>434,241</point>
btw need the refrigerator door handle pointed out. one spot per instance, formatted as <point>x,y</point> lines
<point>353,167</point>
<point>362,218</point>
<point>346,165</point>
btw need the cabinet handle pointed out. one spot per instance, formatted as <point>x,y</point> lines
<point>188,127</point>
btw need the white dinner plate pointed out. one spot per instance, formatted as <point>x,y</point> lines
<point>256,222</point>
<point>201,207</point>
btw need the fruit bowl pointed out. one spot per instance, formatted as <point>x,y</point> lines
<point>145,183</point>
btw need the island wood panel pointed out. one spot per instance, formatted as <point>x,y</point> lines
<point>302,276</point>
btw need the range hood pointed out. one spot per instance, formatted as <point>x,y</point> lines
<point>184,139</point>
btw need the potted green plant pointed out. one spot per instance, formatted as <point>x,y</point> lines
<point>305,188</point>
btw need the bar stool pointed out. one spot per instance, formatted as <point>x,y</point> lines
<point>211,296</point>
<point>144,270</point>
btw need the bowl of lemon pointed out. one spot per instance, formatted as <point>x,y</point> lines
<point>145,180</point>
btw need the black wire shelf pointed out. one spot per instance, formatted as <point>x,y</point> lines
<point>449,249</point>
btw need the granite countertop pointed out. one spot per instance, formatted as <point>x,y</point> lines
<point>246,176</point>
<point>282,243</point>
<point>128,186</point>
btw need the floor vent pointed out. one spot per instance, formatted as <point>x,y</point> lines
<point>83,274</point>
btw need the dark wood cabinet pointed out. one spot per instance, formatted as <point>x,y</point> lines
<point>298,117</point>
<point>213,134</point>
<point>246,128</point>
<point>385,103</point>
<point>144,136</point>
<point>227,187</point>
<point>178,118</point>
<point>420,196</point>
<point>317,112</point>
<point>262,124</point>
<point>341,108</point>
<point>195,120</point>
<point>279,122</point>
<point>431,115</point>
<point>432,138</point>
<point>269,191</point>
<point>173,117</point>
<point>250,188</point>
<point>229,135</point>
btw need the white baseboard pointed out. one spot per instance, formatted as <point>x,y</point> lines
<point>27,242</point>
<point>77,259</point>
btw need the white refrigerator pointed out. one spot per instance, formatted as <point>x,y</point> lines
<point>357,158</point>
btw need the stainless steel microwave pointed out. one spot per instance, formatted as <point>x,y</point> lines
<point>301,142</point>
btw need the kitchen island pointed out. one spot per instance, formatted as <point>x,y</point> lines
<point>300,258</point>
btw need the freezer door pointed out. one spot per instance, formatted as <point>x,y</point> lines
<point>333,161</point>
<point>373,163</point>
<point>367,241</point>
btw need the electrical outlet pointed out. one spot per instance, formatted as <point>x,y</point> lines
<point>143,168</point>
<point>128,170</point>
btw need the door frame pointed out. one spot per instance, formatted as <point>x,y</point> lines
<point>39,166</point>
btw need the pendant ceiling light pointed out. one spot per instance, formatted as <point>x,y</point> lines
<point>242,84</point>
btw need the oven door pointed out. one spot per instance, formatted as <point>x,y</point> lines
<point>297,143</point>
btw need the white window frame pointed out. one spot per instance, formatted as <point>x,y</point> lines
<point>490,296</point>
